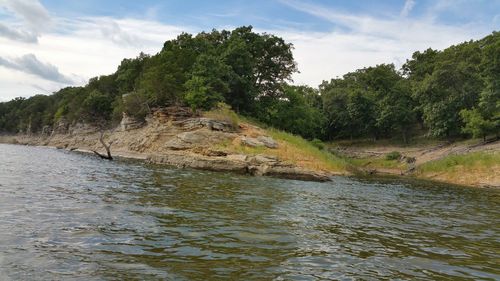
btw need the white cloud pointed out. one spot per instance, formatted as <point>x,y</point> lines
<point>31,20</point>
<point>409,4</point>
<point>84,47</point>
<point>20,84</point>
<point>31,65</point>
<point>16,34</point>
<point>79,49</point>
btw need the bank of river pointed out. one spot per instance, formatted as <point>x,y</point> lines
<point>70,216</point>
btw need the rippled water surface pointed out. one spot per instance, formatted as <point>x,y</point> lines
<point>67,216</point>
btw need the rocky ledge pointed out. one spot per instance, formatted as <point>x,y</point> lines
<point>259,165</point>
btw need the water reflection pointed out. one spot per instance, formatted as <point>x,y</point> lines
<point>71,216</point>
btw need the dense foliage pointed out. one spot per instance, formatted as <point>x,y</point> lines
<point>449,93</point>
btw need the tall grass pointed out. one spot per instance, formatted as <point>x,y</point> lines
<point>475,160</point>
<point>301,151</point>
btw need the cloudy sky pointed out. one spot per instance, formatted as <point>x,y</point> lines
<point>49,44</point>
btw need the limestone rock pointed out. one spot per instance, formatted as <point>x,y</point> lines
<point>198,123</point>
<point>61,127</point>
<point>196,161</point>
<point>129,123</point>
<point>198,138</point>
<point>268,141</point>
<point>259,141</point>
<point>251,142</point>
<point>296,173</point>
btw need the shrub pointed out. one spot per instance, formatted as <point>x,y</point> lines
<point>318,144</point>
<point>395,155</point>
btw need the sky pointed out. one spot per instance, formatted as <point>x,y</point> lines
<point>46,45</point>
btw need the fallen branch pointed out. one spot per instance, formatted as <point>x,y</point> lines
<point>106,146</point>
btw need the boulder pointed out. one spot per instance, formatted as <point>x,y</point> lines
<point>263,159</point>
<point>259,141</point>
<point>268,141</point>
<point>251,142</point>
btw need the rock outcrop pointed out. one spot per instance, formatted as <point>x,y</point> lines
<point>178,137</point>
<point>259,165</point>
<point>129,123</point>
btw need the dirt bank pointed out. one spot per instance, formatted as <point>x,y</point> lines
<point>470,163</point>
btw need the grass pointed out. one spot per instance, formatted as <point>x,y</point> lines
<point>301,151</point>
<point>469,169</point>
<point>472,160</point>
<point>477,168</point>
<point>293,149</point>
<point>417,141</point>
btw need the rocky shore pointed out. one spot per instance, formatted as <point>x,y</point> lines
<point>176,137</point>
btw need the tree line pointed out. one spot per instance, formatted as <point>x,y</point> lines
<point>445,94</point>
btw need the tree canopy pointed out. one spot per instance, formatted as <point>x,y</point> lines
<point>450,93</point>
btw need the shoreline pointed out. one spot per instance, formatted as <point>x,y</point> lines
<point>254,165</point>
<point>393,174</point>
<point>202,152</point>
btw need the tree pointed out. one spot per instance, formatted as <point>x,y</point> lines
<point>261,63</point>
<point>454,85</point>
<point>97,108</point>
<point>207,85</point>
<point>293,113</point>
<point>476,125</point>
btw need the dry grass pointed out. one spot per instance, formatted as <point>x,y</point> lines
<point>292,149</point>
<point>223,112</point>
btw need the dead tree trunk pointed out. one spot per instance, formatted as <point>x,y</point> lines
<point>106,146</point>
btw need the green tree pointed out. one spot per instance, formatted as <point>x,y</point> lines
<point>294,113</point>
<point>97,108</point>
<point>476,125</point>
<point>207,85</point>
<point>454,85</point>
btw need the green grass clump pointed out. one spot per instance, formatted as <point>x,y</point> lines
<point>395,155</point>
<point>318,143</point>
<point>475,160</point>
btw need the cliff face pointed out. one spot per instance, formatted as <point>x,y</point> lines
<point>174,136</point>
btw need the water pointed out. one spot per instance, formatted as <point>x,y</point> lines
<point>68,216</point>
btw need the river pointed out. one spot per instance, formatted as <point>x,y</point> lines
<point>70,216</point>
